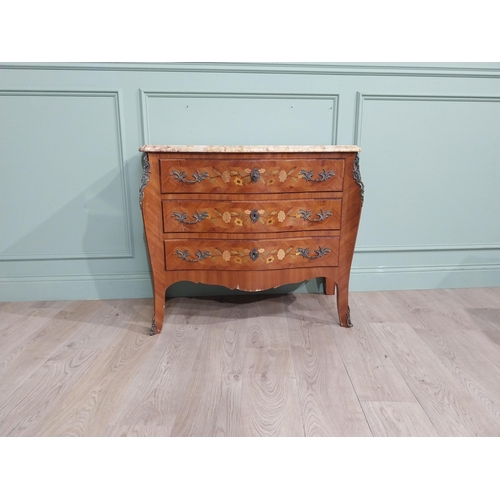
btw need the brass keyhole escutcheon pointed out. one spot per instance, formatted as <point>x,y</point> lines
<point>254,215</point>
<point>255,175</point>
<point>254,254</point>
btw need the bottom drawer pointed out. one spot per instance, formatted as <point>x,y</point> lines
<point>251,255</point>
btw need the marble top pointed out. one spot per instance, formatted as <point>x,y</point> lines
<point>248,149</point>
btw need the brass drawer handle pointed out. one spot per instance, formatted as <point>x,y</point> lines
<point>306,214</point>
<point>182,218</point>
<point>323,175</point>
<point>181,176</point>
<point>199,254</point>
<point>320,252</point>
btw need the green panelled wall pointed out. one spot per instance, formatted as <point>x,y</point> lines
<point>70,223</point>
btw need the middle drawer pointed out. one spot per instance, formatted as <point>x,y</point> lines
<point>250,216</point>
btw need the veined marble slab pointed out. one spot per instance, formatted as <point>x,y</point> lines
<point>249,149</point>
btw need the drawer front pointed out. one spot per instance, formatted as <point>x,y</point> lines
<point>251,176</point>
<point>251,255</point>
<point>250,216</point>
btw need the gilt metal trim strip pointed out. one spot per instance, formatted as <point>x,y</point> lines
<point>153,329</point>
<point>357,178</point>
<point>146,171</point>
<point>348,318</point>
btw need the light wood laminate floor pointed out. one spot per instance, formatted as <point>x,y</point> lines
<point>416,363</point>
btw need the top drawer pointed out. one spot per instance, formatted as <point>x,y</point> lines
<point>251,176</point>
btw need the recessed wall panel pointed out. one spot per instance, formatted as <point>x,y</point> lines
<point>239,119</point>
<point>62,192</point>
<point>431,169</point>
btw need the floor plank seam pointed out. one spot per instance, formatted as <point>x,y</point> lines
<point>354,388</point>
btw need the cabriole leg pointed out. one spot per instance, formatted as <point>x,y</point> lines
<point>343,305</point>
<point>159,311</point>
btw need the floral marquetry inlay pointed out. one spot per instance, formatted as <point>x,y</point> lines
<point>251,216</point>
<point>250,254</point>
<point>245,256</point>
<point>255,216</point>
<point>251,176</point>
<point>247,176</point>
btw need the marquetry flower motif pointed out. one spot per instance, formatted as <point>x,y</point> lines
<point>238,181</point>
<point>238,222</point>
<point>226,217</point>
<point>238,260</point>
<point>226,176</point>
<point>269,259</point>
<point>282,176</point>
<point>226,256</point>
<point>270,221</point>
<point>281,216</point>
<point>261,250</point>
<point>281,254</point>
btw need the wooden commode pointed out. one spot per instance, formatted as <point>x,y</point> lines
<point>251,217</point>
